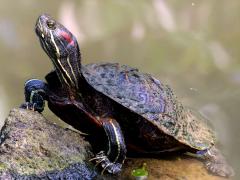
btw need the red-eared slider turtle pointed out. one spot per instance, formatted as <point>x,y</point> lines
<point>121,109</point>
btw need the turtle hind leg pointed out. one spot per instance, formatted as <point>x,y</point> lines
<point>216,163</point>
<point>35,95</point>
<point>112,158</point>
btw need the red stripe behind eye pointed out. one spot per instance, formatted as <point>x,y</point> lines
<point>67,37</point>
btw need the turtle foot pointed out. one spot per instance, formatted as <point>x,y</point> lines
<point>220,169</point>
<point>28,105</point>
<point>102,160</point>
<point>31,106</point>
<point>217,164</point>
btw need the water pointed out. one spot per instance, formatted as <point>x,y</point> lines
<point>191,45</point>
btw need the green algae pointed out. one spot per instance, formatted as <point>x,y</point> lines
<point>140,172</point>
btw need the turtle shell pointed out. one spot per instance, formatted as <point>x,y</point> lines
<point>151,99</point>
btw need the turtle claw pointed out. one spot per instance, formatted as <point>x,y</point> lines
<point>30,106</point>
<point>102,160</point>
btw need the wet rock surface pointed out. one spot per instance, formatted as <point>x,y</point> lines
<point>32,147</point>
<point>171,168</point>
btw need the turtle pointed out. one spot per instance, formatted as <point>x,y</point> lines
<point>122,111</point>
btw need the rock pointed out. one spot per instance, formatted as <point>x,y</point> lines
<point>177,167</point>
<point>32,147</point>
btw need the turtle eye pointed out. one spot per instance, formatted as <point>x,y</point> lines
<point>51,24</point>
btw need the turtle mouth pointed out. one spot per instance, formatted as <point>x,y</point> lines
<point>40,33</point>
<point>39,29</point>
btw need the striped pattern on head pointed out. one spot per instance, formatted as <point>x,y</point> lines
<point>62,48</point>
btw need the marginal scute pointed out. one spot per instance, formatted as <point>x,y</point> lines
<point>153,100</point>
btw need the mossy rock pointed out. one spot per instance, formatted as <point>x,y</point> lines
<point>33,147</point>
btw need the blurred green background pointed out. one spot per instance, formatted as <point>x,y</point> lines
<point>191,45</point>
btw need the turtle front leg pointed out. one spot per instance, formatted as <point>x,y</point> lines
<point>35,95</point>
<point>112,159</point>
<point>216,163</point>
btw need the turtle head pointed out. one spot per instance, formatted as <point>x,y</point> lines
<point>62,48</point>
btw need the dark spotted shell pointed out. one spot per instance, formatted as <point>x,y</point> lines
<point>153,100</point>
